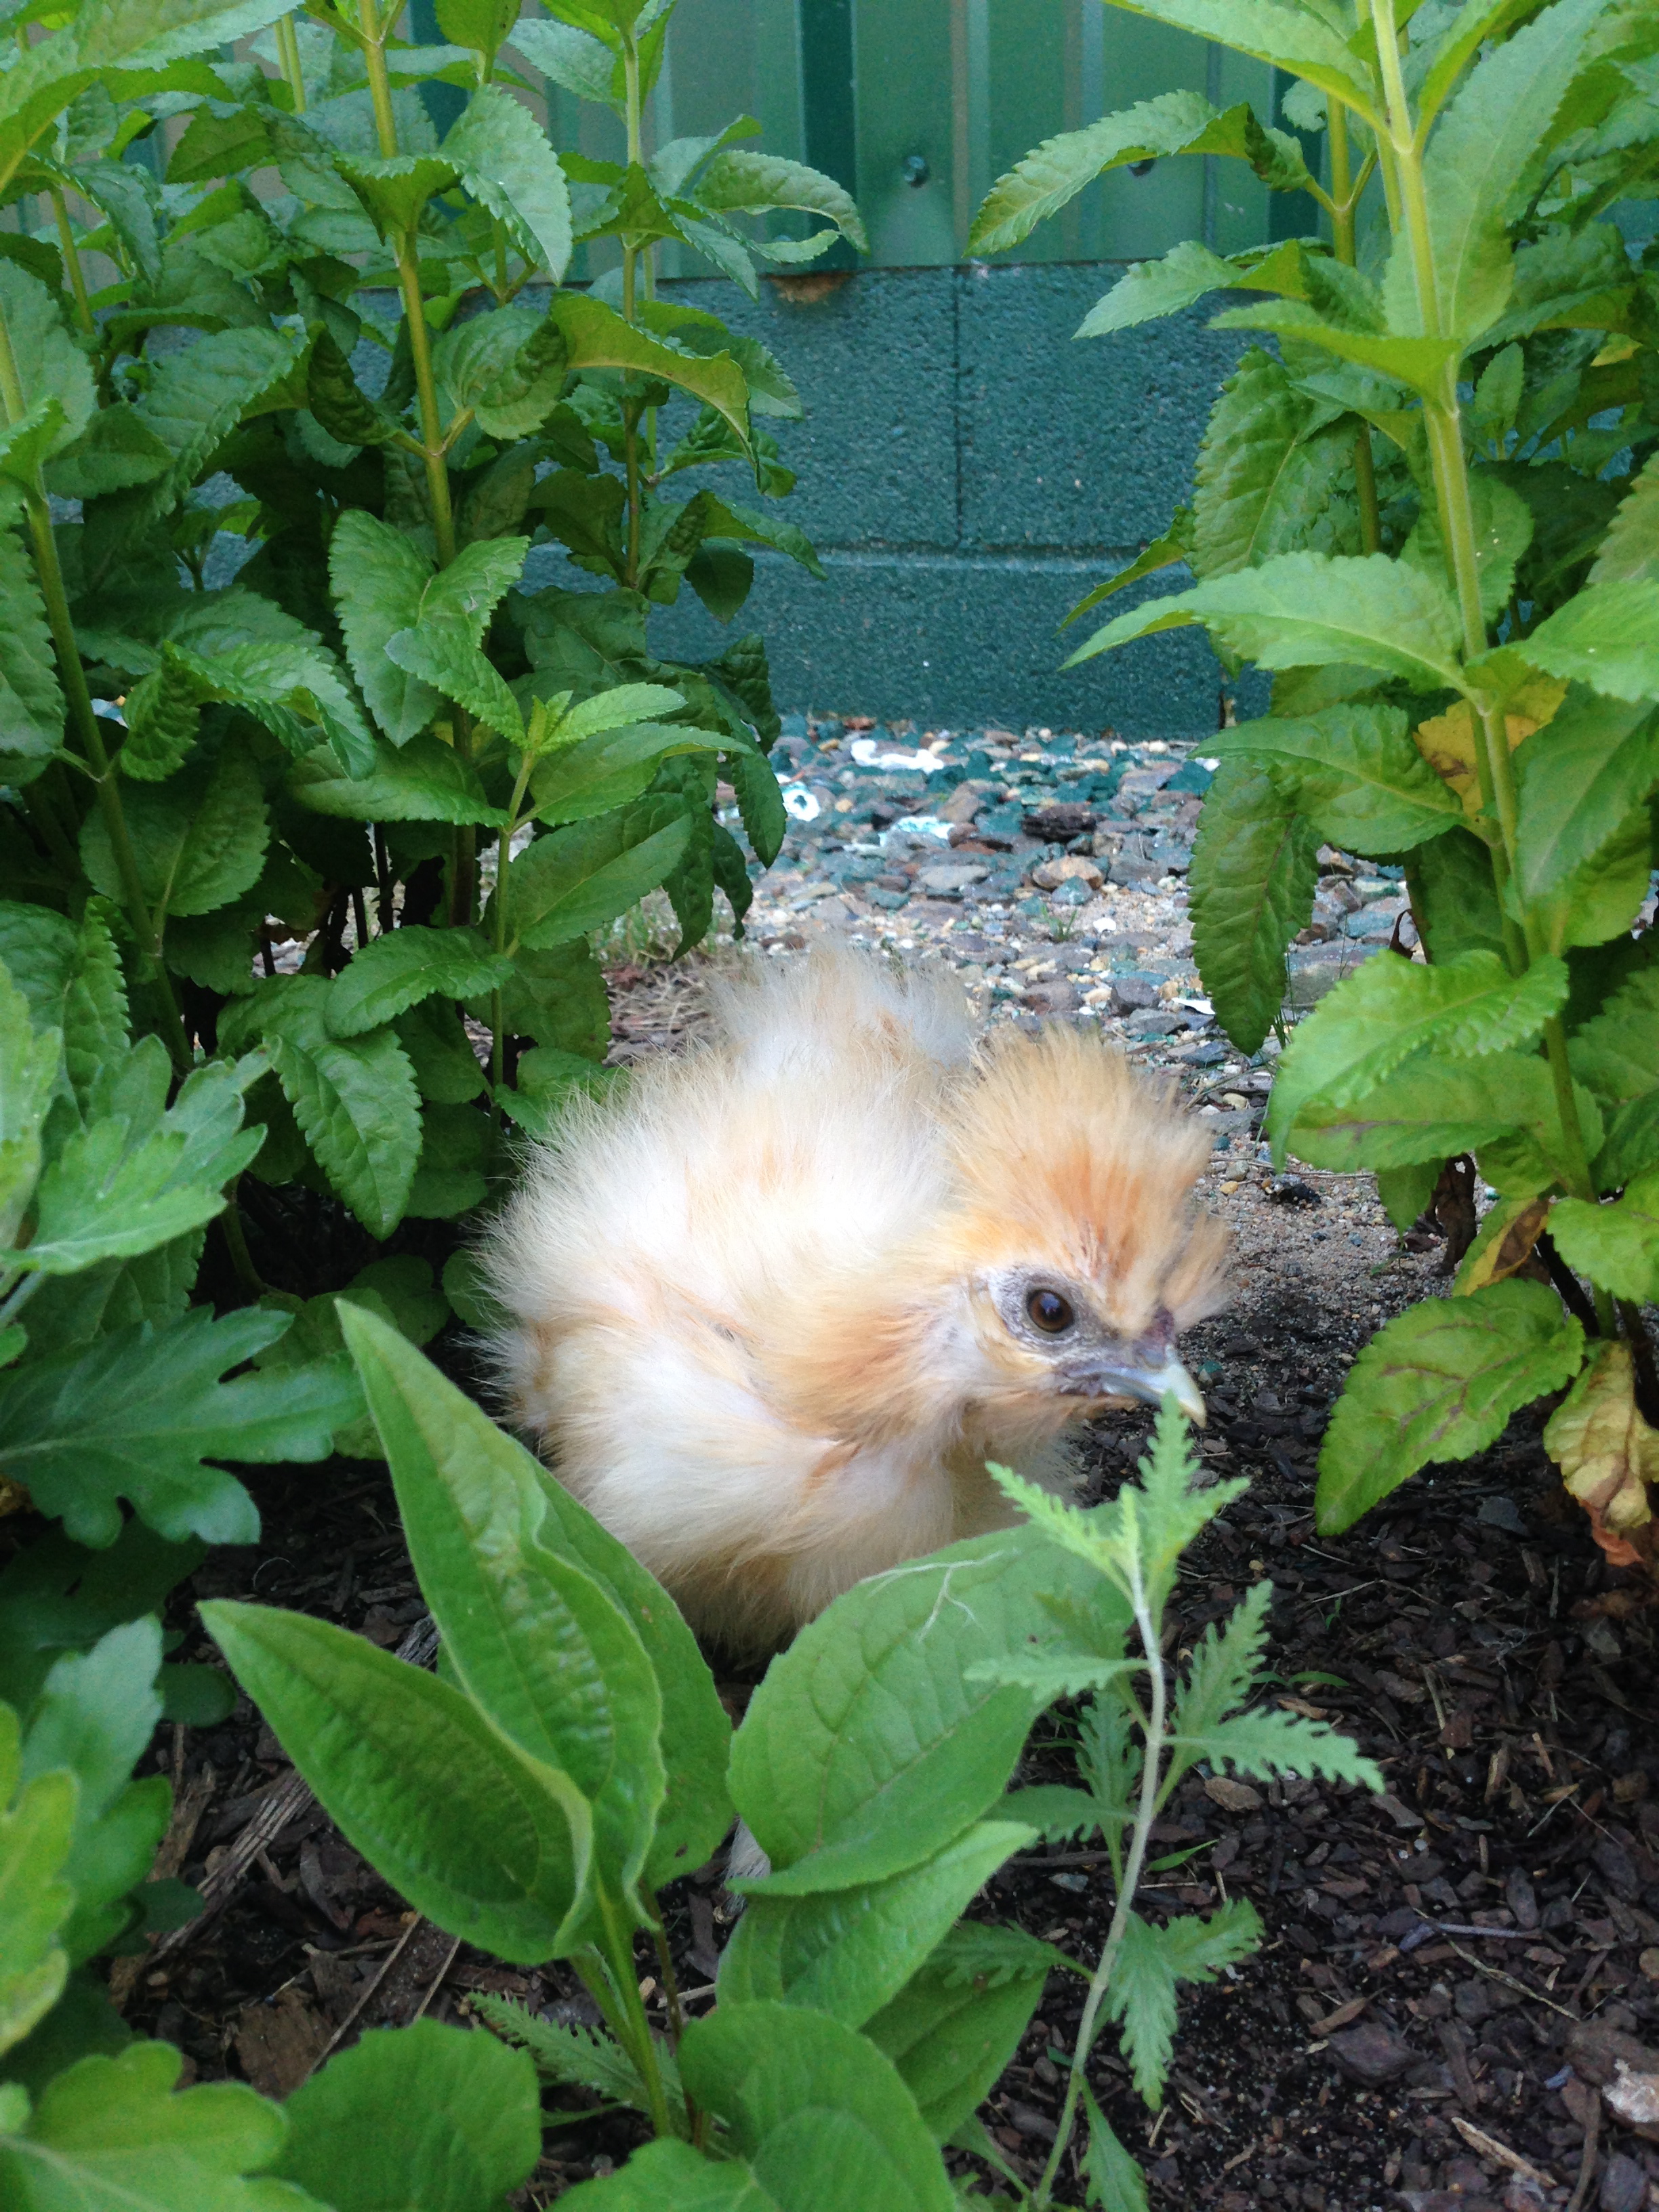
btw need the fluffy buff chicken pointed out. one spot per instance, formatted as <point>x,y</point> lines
<point>774,1309</point>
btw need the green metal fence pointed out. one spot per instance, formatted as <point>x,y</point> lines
<point>916,105</point>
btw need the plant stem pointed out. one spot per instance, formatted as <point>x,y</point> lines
<point>384,916</point>
<point>503,862</point>
<point>1145,1814</point>
<point>409,284</point>
<point>1442,417</point>
<point>77,277</point>
<point>230,1221</point>
<point>670,1979</point>
<point>643,2048</point>
<point>287,54</point>
<point>73,677</point>
<point>629,290</point>
<point>1344,196</point>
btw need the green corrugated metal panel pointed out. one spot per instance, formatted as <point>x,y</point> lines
<point>919,105</point>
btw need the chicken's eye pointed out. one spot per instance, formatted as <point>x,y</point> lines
<point>1052,1313</point>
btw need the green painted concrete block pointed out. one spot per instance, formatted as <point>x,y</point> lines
<point>1069,443</point>
<point>968,472</point>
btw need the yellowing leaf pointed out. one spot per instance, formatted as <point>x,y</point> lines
<point>1447,741</point>
<point>1506,1244</point>
<point>1608,1455</point>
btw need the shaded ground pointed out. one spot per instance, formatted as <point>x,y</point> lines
<point>1469,1635</point>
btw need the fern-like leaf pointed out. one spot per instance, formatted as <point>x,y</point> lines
<point>573,2057</point>
<point>1141,1995</point>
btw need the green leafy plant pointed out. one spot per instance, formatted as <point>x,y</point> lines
<point>1433,514</point>
<point>381,741</point>
<point>572,1756</point>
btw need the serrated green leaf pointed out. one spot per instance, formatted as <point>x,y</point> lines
<point>113,2131</point>
<point>31,700</point>
<point>1060,1814</point>
<point>506,163</point>
<point>1421,362</point>
<point>509,167</point>
<point>576,60</point>
<point>1176,544</point>
<point>1354,772</point>
<point>1255,868</point>
<point>1439,1382</point>
<point>1135,1539</point>
<point>395,971</point>
<point>1429,1110</point>
<point>490,1846</point>
<point>28,1076</point>
<point>1503,526</point>
<point>50,363</point>
<point>447,1070</point>
<point>1259,486</point>
<point>619,708</point>
<point>140,1413</point>
<point>293,688</point>
<point>1607,637</point>
<point>1115,2183</point>
<point>847,1953</point>
<point>1150,1964</point>
<point>1390,1010</point>
<point>736,182</point>
<point>1453,895</point>
<point>439,656</point>
<point>1055,1673</point>
<point>96,1712</point>
<point>558,998</point>
<point>1616,1055</point>
<point>597,337</point>
<point>1630,551</point>
<point>196,397</point>
<point>1311,609</point>
<point>424,781</point>
<point>377,577</point>
<point>1055,172</point>
<point>428,2117</point>
<point>199,839</point>
<point>1489,142</point>
<point>440,643</point>
<point>37,1824</point>
<point>575,880</point>
<point>136,1178</point>
<point>395,188</point>
<point>599,773</point>
<point>1616,1246</point>
<point>354,1097</point>
<point>867,1748</point>
<point>1186,274</point>
<point>801,2093</point>
<point>958,2021</point>
<point>1580,778</point>
<point>163,711</point>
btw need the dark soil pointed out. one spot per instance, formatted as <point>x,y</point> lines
<point>1469,1635</point>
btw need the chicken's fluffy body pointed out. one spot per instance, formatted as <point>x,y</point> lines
<point>774,1309</point>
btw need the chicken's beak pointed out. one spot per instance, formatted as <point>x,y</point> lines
<point>1125,1375</point>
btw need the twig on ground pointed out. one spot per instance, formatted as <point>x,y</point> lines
<point>286,1803</point>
